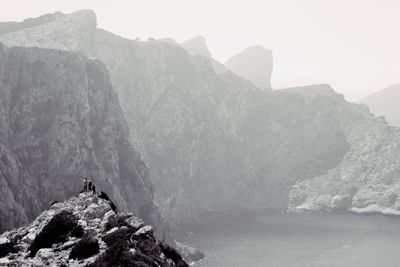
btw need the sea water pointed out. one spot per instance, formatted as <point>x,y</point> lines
<point>300,240</point>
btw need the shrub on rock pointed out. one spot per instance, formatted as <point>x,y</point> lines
<point>56,231</point>
<point>85,248</point>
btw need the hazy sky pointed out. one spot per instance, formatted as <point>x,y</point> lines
<point>354,45</point>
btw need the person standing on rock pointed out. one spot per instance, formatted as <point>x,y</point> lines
<point>85,185</point>
<point>90,185</point>
<point>94,189</point>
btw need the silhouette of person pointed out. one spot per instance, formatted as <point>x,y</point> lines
<point>85,185</point>
<point>94,189</point>
<point>90,185</point>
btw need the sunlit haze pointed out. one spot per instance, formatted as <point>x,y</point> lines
<point>352,45</point>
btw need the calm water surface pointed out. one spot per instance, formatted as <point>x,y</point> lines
<point>301,240</point>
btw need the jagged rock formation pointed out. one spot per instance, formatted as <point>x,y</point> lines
<point>85,231</point>
<point>255,64</point>
<point>60,120</point>
<point>385,103</point>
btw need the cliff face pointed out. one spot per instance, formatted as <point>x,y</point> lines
<point>385,103</point>
<point>212,140</point>
<point>60,121</point>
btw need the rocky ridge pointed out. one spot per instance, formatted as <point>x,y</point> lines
<point>85,231</point>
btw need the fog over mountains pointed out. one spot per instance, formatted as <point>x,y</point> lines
<point>160,122</point>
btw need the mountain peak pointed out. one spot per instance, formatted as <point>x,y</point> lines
<point>85,231</point>
<point>197,46</point>
<point>255,64</point>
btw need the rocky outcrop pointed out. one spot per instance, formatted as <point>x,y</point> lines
<point>255,64</point>
<point>385,103</point>
<point>61,121</point>
<point>365,181</point>
<point>85,231</point>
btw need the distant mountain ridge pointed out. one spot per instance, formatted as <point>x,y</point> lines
<point>385,103</point>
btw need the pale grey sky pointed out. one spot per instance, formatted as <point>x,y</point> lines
<point>354,45</point>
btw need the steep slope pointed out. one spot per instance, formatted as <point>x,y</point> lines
<point>385,103</point>
<point>85,231</point>
<point>60,121</point>
<point>255,64</point>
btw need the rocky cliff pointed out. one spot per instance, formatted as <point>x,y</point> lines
<point>255,64</point>
<point>85,231</point>
<point>214,141</point>
<point>385,103</point>
<point>61,121</point>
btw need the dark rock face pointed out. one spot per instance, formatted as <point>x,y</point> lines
<point>60,120</point>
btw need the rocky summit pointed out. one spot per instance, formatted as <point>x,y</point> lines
<point>86,231</point>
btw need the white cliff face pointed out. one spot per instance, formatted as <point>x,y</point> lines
<point>97,222</point>
<point>385,103</point>
<point>255,64</point>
